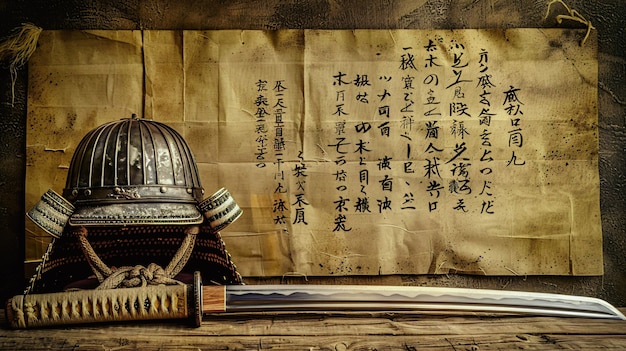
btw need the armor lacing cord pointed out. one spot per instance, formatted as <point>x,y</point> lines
<point>132,276</point>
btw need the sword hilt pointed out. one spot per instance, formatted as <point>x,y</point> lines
<point>107,305</point>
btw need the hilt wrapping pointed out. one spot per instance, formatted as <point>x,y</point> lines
<point>94,306</point>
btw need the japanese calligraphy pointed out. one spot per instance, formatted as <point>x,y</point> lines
<point>359,151</point>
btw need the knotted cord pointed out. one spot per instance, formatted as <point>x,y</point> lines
<point>133,276</point>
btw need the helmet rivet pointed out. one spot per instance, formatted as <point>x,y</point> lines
<point>163,189</point>
<point>189,190</point>
<point>87,192</point>
<point>74,192</point>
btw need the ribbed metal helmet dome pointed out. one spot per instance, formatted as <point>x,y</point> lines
<point>133,171</point>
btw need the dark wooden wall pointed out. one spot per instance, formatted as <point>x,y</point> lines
<point>608,17</point>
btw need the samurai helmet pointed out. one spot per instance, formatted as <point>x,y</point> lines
<point>133,171</point>
<point>134,182</point>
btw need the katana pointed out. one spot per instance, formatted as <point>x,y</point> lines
<point>195,301</point>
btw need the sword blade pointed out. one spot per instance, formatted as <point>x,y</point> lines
<point>194,300</point>
<point>303,298</point>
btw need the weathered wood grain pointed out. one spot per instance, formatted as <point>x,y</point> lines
<point>318,331</point>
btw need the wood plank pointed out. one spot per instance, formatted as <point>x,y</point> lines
<point>404,324</point>
<point>319,331</point>
<point>83,341</point>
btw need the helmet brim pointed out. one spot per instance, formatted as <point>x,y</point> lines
<point>136,213</point>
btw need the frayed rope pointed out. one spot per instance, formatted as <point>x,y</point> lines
<point>16,49</point>
<point>572,15</point>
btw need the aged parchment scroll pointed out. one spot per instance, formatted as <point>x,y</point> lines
<point>352,152</point>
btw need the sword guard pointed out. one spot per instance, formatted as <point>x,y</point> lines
<point>196,310</point>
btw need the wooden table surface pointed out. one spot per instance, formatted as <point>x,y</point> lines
<point>322,331</point>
